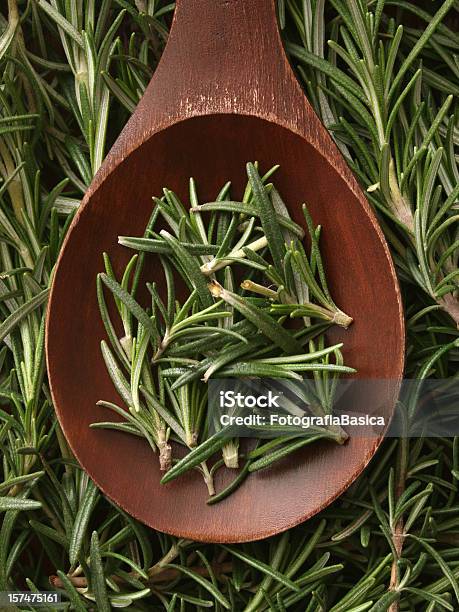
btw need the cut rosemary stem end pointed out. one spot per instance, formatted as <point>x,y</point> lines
<point>230,454</point>
<point>342,319</point>
<point>236,295</point>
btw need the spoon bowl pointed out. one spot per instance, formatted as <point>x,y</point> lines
<point>223,94</point>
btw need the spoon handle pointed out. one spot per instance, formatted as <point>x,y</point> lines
<point>233,46</point>
<point>224,56</point>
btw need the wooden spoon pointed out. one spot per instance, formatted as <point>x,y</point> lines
<point>223,94</point>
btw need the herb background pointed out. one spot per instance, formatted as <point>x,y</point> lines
<point>384,78</point>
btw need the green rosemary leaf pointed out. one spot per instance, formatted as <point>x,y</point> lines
<point>164,413</point>
<point>267,446</point>
<point>196,219</point>
<point>276,561</point>
<point>265,323</point>
<point>301,310</point>
<point>233,260</point>
<point>189,375</point>
<point>418,504</point>
<point>17,503</point>
<point>187,598</point>
<point>255,258</point>
<point>391,58</point>
<point>441,563</point>
<point>208,366</point>
<point>116,374</point>
<point>268,216</point>
<point>233,485</point>
<point>335,73</point>
<point>23,311</point>
<point>158,303</point>
<point>356,594</point>
<point>19,480</point>
<point>262,567</point>
<point>136,423</point>
<point>170,292</point>
<point>171,606</point>
<point>281,211</point>
<point>206,584</point>
<point>111,333</point>
<point>150,245</point>
<point>208,330</point>
<point>247,209</point>
<point>134,566</point>
<point>276,455</point>
<point>229,355</point>
<point>125,315</point>
<point>396,108</point>
<point>199,454</point>
<point>433,236</point>
<point>173,372</point>
<point>447,4</point>
<point>385,601</point>
<point>431,597</point>
<point>80,526</point>
<point>301,358</point>
<point>8,35</point>
<point>190,268</point>
<point>304,269</point>
<point>61,22</point>
<point>211,343</point>
<point>97,575</point>
<point>137,367</point>
<point>227,236</point>
<point>211,313</point>
<point>129,302</point>
<point>362,607</point>
<point>124,427</point>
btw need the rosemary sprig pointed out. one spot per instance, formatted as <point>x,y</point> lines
<point>171,350</point>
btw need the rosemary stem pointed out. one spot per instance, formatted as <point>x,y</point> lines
<point>165,451</point>
<point>191,438</point>
<point>15,186</point>
<point>398,534</point>
<point>217,264</point>
<point>171,554</point>
<point>208,478</point>
<point>249,285</point>
<point>49,512</point>
<point>163,346</point>
<point>163,575</point>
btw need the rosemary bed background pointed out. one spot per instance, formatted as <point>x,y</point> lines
<point>384,78</point>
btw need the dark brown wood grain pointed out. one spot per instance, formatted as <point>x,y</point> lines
<point>223,94</point>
